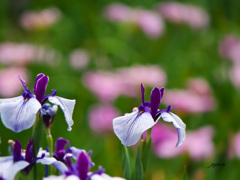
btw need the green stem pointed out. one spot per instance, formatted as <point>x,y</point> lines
<point>50,146</point>
<point>49,142</point>
<point>37,139</point>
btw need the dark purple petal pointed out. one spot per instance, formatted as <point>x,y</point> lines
<point>40,87</point>
<point>39,76</point>
<point>99,172</point>
<point>29,151</point>
<point>60,144</point>
<point>83,165</point>
<point>155,101</point>
<point>161,92</point>
<point>23,83</point>
<point>69,164</point>
<point>17,151</point>
<point>142,90</point>
<point>49,95</point>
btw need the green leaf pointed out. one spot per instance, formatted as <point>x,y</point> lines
<point>146,154</point>
<point>138,165</point>
<point>37,134</point>
<point>185,174</point>
<point>37,140</point>
<point>126,163</point>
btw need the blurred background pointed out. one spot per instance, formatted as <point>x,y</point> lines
<point>99,52</point>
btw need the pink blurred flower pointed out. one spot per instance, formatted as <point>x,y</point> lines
<point>197,99</point>
<point>149,21</point>
<point>148,75</point>
<point>79,59</point>
<point>108,86</point>
<point>183,13</point>
<point>229,48</point>
<point>235,75</point>
<point>101,116</point>
<point>234,146</point>
<point>237,144</point>
<point>198,144</point>
<point>118,12</point>
<point>38,20</point>
<point>23,53</point>
<point>16,53</point>
<point>9,82</point>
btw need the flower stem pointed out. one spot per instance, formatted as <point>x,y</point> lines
<point>37,139</point>
<point>50,146</point>
<point>49,141</point>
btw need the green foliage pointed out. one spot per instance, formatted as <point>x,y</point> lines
<point>126,166</point>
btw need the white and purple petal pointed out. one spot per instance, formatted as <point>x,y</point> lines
<point>105,177</point>
<point>46,160</point>
<point>8,169</point>
<point>67,107</point>
<point>130,127</point>
<point>178,123</point>
<point>18,113</point>
<point>72,177</point>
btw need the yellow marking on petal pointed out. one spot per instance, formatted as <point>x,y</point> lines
<point>26,99</point>
<point>140,112</point>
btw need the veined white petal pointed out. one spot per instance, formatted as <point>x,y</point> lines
<point>9,169</point>
<point>18,114</point>
<point>130,127</point>
<point>72,177</point>
<point>5,159</point>
<point>53,177</point>
<point>67,107</point>
<point>105,177</point>
<point>178,123</point>
<point>51,161</point>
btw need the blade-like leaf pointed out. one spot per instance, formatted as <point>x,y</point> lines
<point>138,165</point>
<point>126,163</point>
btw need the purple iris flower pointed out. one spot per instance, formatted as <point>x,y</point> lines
<point>64,150</point>
<point>130,127</point>
<point>82,167</point>
<point>23,160</point>
<point>19,113</point>
<point>61,151</point>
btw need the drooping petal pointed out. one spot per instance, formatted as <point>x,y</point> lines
<point>83,165</point>
<point>18,114</point>
<point>8,169</point>
<point>178,123</point>
<point>130,127</point>
<point>46,160</point>
<point>75,152</point>
<point>155,101</point>
<point>40,87</point>
<point>67,107</point>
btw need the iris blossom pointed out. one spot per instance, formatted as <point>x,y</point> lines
<point>24,160</point>
<point>130,127</point>
<point>81,170</point>
<point>19,113</point>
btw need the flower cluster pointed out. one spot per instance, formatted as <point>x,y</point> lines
<point>130,127</point>
<point>20,113</point>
